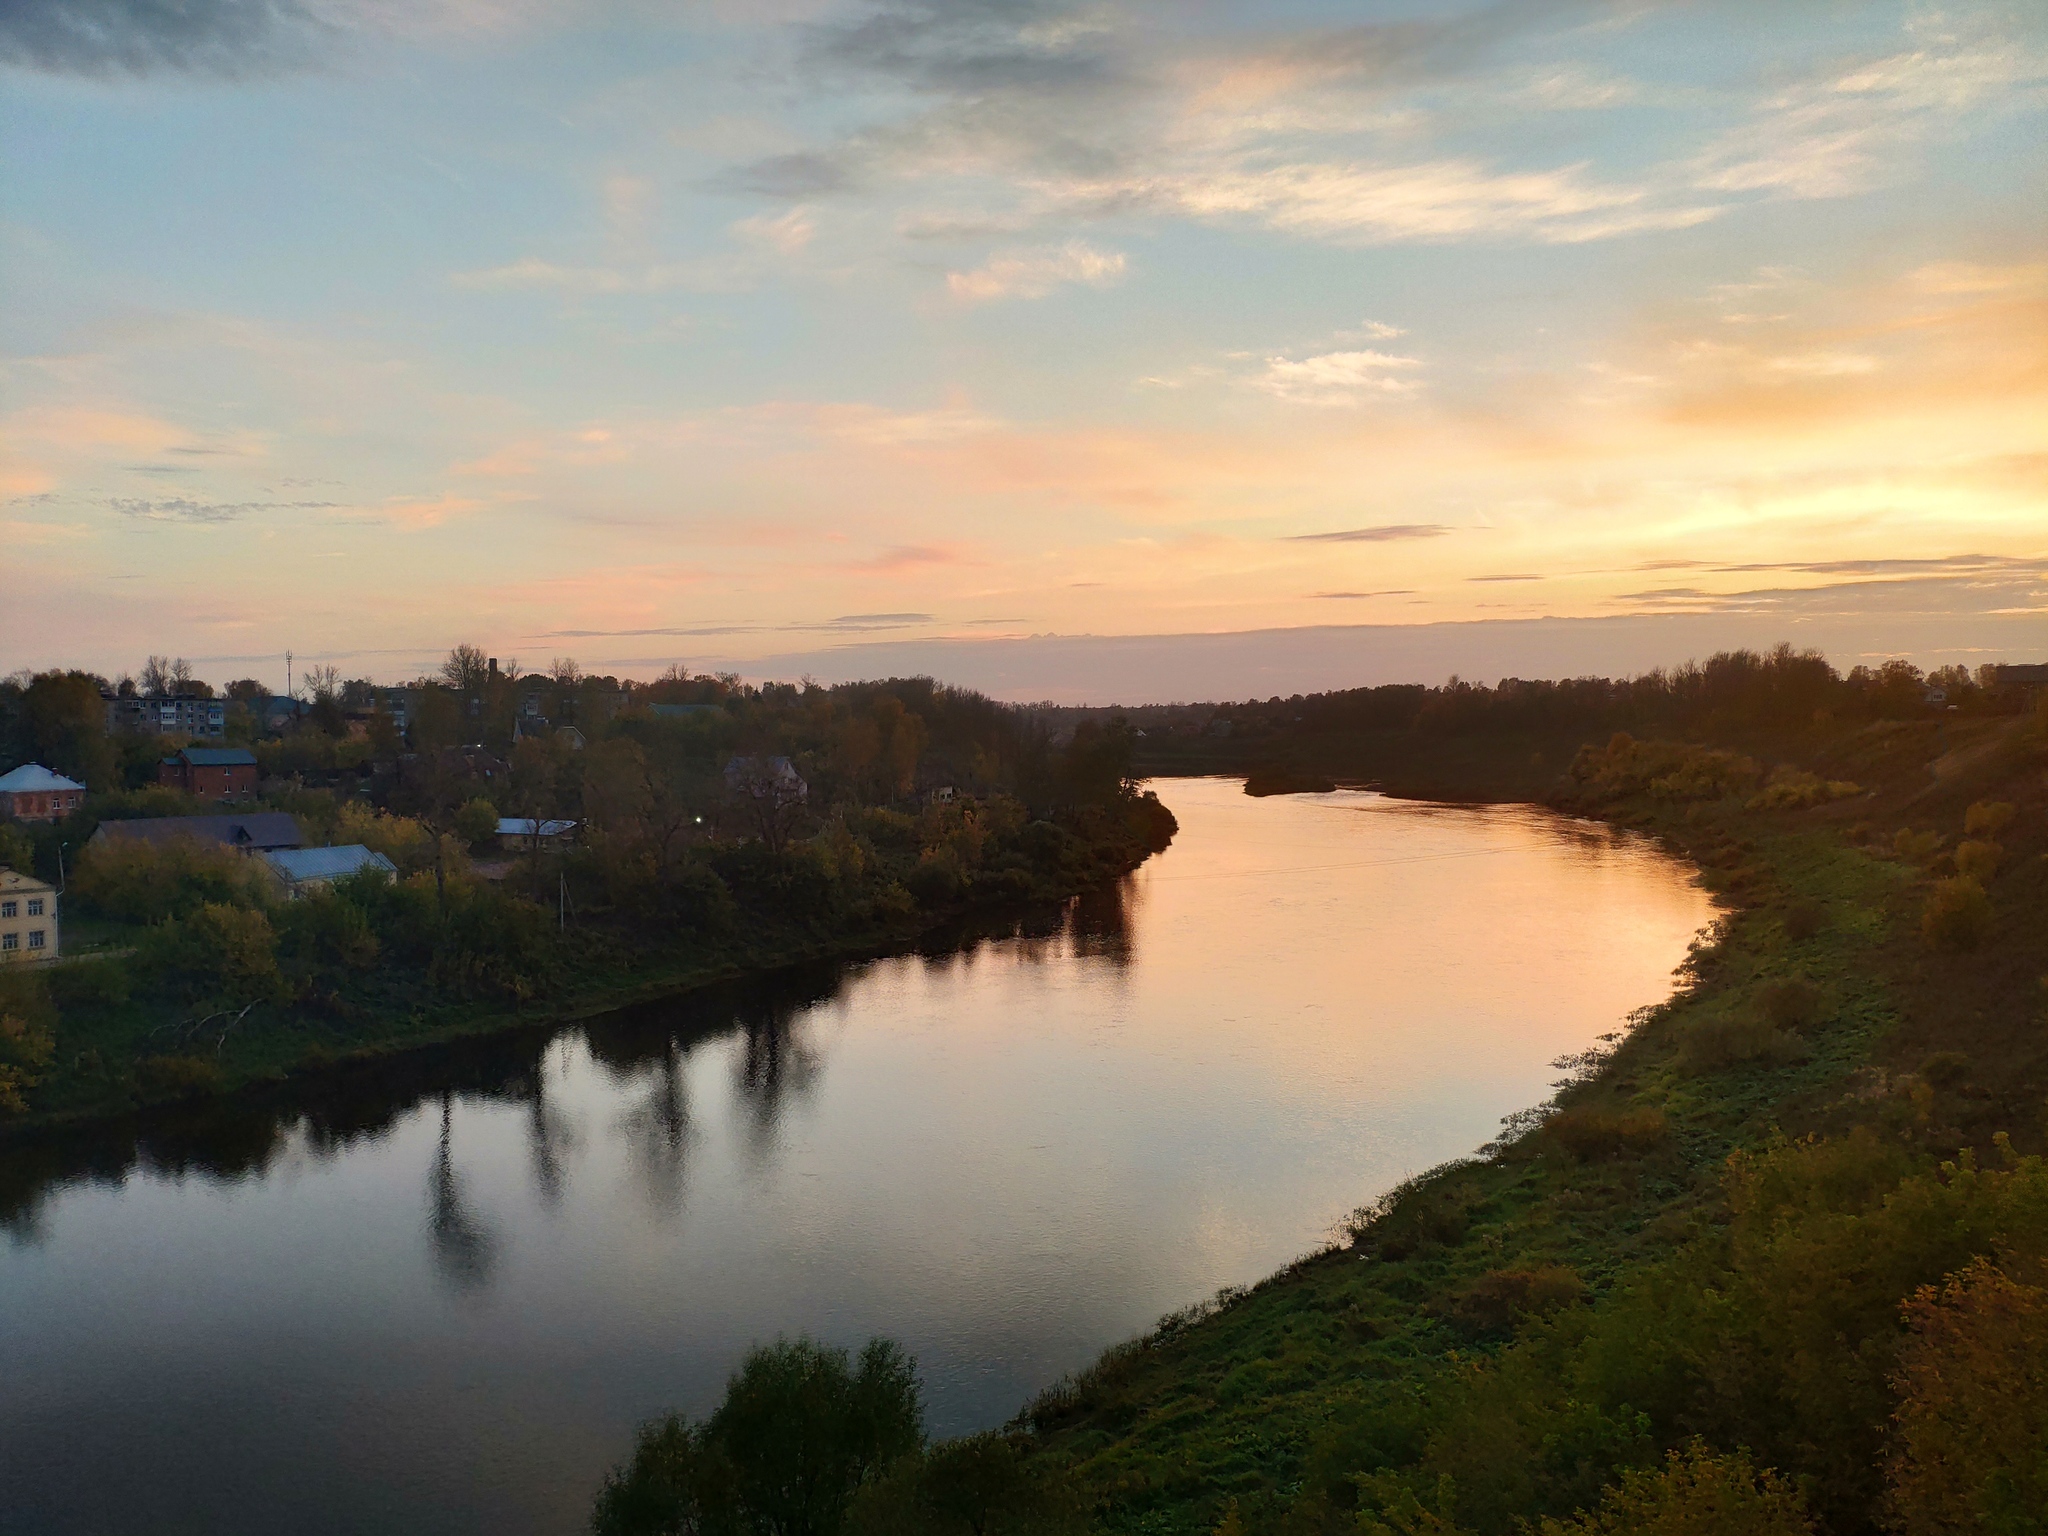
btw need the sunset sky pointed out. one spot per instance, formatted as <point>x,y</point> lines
<point>842,339</point>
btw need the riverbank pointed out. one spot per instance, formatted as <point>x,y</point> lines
<point>124,1037</point>
<point>1499,1340</point>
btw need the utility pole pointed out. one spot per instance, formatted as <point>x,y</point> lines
<point>287,674</point>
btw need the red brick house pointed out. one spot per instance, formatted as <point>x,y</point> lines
<point>212,773</point>
<point>33,793</point>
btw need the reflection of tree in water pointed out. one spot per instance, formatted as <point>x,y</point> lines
<point>775,1063</point>
<point>464,1249</point>
<point>657,1132</point>
<point>1102,923</point>
<point>548,1137</point>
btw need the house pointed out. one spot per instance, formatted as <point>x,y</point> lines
<point>518,834</point>
<point>280,712</point>
<point>28,918</point>
<point>254,832</point>
<point>33,793</point>
<point>166,714</point>
<point>765,778</point>
<point>213,773</point>
<point>304,871</point>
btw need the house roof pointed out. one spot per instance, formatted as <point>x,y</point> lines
<point>302,864</point>
<point>258,830</point>
<point>522,826</point>
<point>14,880</point>
<point>219,757</point>
<point>34,777</point>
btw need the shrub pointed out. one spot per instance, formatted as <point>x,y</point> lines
<point>89,984</point>
<point>935,881</point>
<point>1988,818</point>
<point>1595,1135</point>
<point>1957,915</point>
<point>220,951</point>
<point>1411,1218</point>
<point>801,1428</point>
<point>1695,1493</point>
<point>1944,1068</point>
<point>1978,861</point>
<point>1970,1438</point>
<point>1804,919</point>
<point>1916,845</point>
<point>477,823</point>
<point>1792,788</point>
<point>1713,1045</point>
<point>1790,1002</point>
<point>146,882</point>
<point>1500,1298</point>
<point>26,1043</point>
<point>177,1077</point>
<point>983,1485</point>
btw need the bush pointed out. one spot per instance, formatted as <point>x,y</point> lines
<point>983,1485</point>
<point>801,1428</point>
<point>477,823</point>
<point>1714,1045</point>
<point>89,984</point>
<point>1916,845</point>
<point>1804,919</point>
<point>1978,861</point>
<point>1790,1002</point>
<point>1957,915</point>
<point>1792,788</point>
<point>220,951</point>
<point>1695,1493</point>
<point>1500,1298</point>
<point>1945,1068</point>
<point>1988,818</point>
<point>178,1077</point>
<point>935,882</point>
<point>26,1042</point>
<point>1593,1135</point>
<point>1970,1440</point>
<point>146,882</point>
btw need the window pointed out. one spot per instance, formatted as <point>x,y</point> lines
<point>9,909</point>
<point>35,938</point>
<point>35,906</point>
<point>10,940</point>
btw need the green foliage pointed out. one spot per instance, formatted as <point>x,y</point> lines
<point>221,952</point>
<point>84,984</point>
<point>1970,1442</point>
<point>1695,1493</point>
<point>1500,1298</point>
<point>1790,788</point>
<point>27,1043</point>
<point>801,1428</point>
<point>1668,770</point>
<point>477,823</point>
<point>1594,1134</point>
<point>983,1485</point>
<point>17,849</point>
<point>1957,915</point>
<point>140,881</point>
<point>1790,1002</point>
<point>1918,846</point>
<point>1803,920</point>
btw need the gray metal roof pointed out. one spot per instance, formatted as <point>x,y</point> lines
<point>303,864</point>
<point>257,830</point>
<point>34,778</point>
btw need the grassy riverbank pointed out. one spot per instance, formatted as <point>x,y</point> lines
<point>1663,1259</point>
<point>366,973</point>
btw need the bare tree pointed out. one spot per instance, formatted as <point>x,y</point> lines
<point>155,679</point>
<point>323,683</point>
<point>565,672</point>
<point>467,668</point>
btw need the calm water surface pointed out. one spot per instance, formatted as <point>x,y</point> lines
<point>439,1300</point>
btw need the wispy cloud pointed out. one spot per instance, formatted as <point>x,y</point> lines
<point>1032,274</point>
<point>181,509</point>
<point>1382,534</point>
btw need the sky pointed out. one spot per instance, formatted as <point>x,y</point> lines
<point>1102,352</point>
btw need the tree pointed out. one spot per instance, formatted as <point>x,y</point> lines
<point>1695,1493</point>
<point>983,1485</point>
<point>801,1429</point>
<point>323,683</point>
<point>1970,1436</point>
<point>467,669</point>
<point>477,822</point>
<point>67,727</point>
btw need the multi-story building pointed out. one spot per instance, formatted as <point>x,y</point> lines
<point>161,714</point>
<point>33,793</point>
<point>28,918</point>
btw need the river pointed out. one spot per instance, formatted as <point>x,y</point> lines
<point>436,1297</point>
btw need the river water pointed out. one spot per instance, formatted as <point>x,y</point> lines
<point>436,1298</point>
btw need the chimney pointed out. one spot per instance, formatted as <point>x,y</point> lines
<point>494,669</point>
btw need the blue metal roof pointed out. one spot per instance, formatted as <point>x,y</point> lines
<point>303,864</point>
